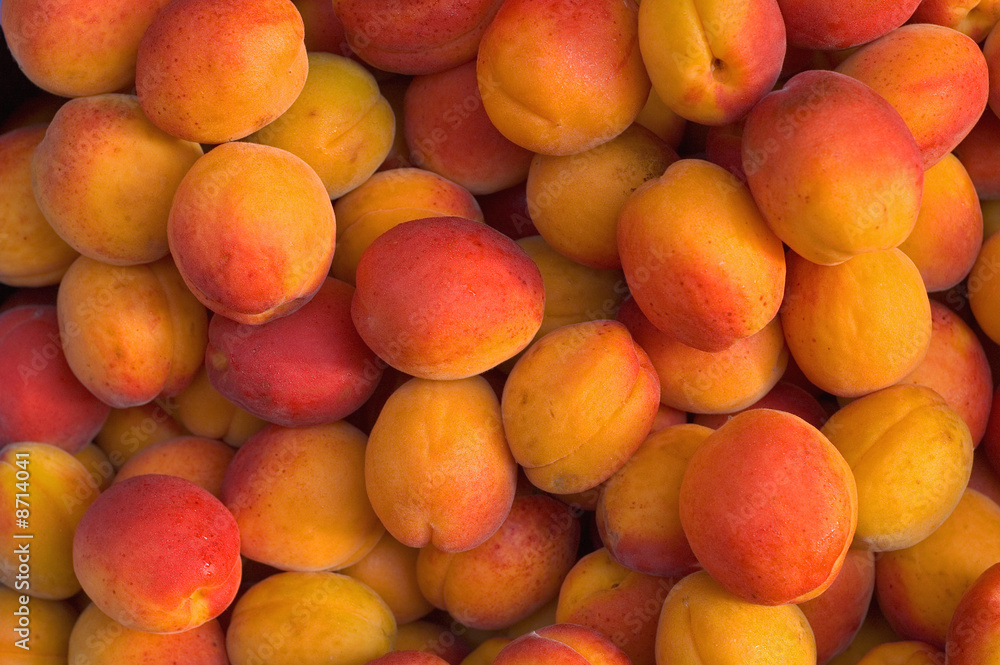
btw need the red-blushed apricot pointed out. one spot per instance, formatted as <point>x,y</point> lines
<point>957,368</point>
<point>784,396</point>
<point>701,382</point>
<point>390,569</point>
<point>702,622</point>
<point>437,466</point>
<point>38,630</point>
<point>991,439</point>
<point>574,200</point>
<point>699,259</point>
<point>389,198</point>
<point>858,326</point>
<point>979,153</point>
<point>622,604</point>
<point>105,176</point>
<point>577,404</point>
<point>919,587</point>
<point>97,639</point>
<point>984,478</point>
<point>252,231</point>
<point>202,461</point>
<point>159,554</point>
<point>432,638</point>
<point>280,472</point>
<point>906,652</point>
<point>983,285</point>
<point>724,146</point>
<point>949,230</point>
<point>213,71</point>
<point>637,513</point>
<point>323,30</point>
<point>507,211</point>
<point>39,257</point>
<point>305,368</point>
<point>974,18</point>
<point>562,644</point>
<point>420,37</point>
<point>339,124</point>
<point>835,616</point>
<point>911,456</point>
<point>449,133</point>
<point>53,490</point>
<point>408,657</point>
<point>542,63</point>
<point>769,507</point>
<point>850,23</point>
<point>486,652</point>
<point>711,62</point>
<point>205,412</point>
<point>513,573</point>
<point>293,618</point>
<point>98,464</point>
<point>76,49</point>
<point>667,416</point>
<point>446,297</point>
<point>127,431</point>
<point>940,98</point>
<point>973,636</point>
<point>130,333</point>
<point>42,399</point>
<point>800,138</point>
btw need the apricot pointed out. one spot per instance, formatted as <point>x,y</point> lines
<point>283,472</point>
<point>130,333</point>
<point>769,507</point>
<point>129,430</point>
<point>972,633</point>
<point>159,554</point>
<point>906,652</point>
<point>577,404</point>
<point>658,118</point>
<point>39,257</point>
<point>205,412</point>
<point>799,139</point>
<point>979,153</point>
<point>574,200</point>
<point>339,124</point>
<point>515,572</point>
<point>202,461</point>
<point>390,569</point>
<point>98,639</point>
<point>699,259</point>
<point>850,23</point>
<point>213,71</point>
<point>541,65</point>
<point>431,638</point>
<point>77,49</point>
<point>54,490</point>
<point>697,381</point>
<point>562,643</point>
<point>420,37</point>
<point>446,297</point>
<point>972,18</point>
<point>983,285</point>
<point>858,326</point>
<point>711,62</point>
<point>408,657</point>
<point>702,622</point>
<point>448,132</point>
<point>437,466</point>
<point>306,368</point>
<point>919,587</point>
<point>836,615</point>
<point>622,604</point>
<point>42,400</point>
<point>302,617</point>
<point>98,464</point>
<point>38,630</point>
<point>486,652</point>
<point>948,233</point>
<point>389,198</point>
<point>323,30</point>
<point>638,514</point>
<point>105,176</point>
<point>939,98</point>
<point>957,368</point>
<point>784,396</point>
<point>252,231</point>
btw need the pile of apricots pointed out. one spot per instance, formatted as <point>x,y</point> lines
<point>510,332</point>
